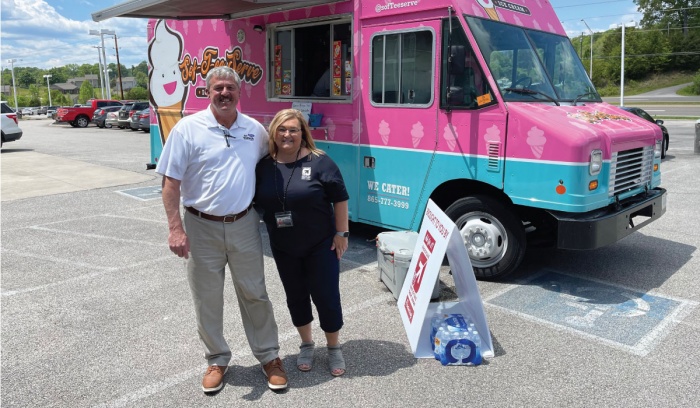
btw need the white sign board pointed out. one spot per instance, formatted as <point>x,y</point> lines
<point>304,108</point>
<point>439,236</point>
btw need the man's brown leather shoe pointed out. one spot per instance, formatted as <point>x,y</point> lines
<point>214,378</point>
<point>276,376</point>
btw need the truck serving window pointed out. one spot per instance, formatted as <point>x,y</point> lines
<point>402,68</point>
<point>312,61</point>
<point>464,80</point>
<point>530,60</point>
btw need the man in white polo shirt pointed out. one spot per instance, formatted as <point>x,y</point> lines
<point>208,163</point>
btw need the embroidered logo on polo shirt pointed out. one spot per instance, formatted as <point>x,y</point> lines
<point>306,173</point>
<point>249,136</point>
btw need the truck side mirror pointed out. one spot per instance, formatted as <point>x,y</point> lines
<point>457,59</point>
<point>455,95</point>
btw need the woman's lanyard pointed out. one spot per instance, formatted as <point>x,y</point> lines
<point>283,201</point>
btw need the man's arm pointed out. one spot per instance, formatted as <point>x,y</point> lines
<point>177,238</point>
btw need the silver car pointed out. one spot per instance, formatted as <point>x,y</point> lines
<point>10,127</point>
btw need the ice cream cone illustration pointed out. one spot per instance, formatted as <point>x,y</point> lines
<point>384,132</point>
<point>536,140</point>
<point>416,133</point>
<point>330,125</point>
<point>493,135</point>
<point>168,92</point>
<point>450,135</point>
<point>489,8</point>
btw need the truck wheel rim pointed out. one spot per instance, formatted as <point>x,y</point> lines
<point>484,237</point>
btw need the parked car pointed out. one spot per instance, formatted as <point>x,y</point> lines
<point>51,111</point>
<point>145,120</point>
<point>82,116</point>
<point>134,121</point>
<point>99,118</point>
<point>644,115</point>
<point>127,110</point>
<point>112,119</point>
<point>42,110</point>
<point>26,111</point>
<point>10,128</point>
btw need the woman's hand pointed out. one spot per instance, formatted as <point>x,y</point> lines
<point>340,245</point>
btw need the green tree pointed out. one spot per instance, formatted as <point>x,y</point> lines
<point>679,21</point>
<point>137,93</point>
<point>141,79</point>
<point>667,13</point>
<point>86,92</point>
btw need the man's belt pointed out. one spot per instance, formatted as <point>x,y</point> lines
<point>226,219</point>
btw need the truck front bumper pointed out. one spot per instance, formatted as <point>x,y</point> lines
<point>608,225</point>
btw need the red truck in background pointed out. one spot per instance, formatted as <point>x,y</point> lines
<point>81,116</point>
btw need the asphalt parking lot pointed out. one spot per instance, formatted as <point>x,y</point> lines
<point>96,311</point>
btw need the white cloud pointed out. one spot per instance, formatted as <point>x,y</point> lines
<point>35,32</point>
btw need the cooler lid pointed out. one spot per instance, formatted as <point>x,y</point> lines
<point>400,243</point>
<point>201,9</point>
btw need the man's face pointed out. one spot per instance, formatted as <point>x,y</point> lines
<point>224,95</point>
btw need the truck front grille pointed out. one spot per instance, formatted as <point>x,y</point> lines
<point>630,169</point>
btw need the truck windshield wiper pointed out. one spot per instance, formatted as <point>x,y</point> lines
<point>576,99</point>
<point>531,92</point>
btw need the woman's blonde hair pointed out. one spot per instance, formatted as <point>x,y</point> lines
<point>306,139</point>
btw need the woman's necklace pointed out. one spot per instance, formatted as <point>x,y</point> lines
<point>283,200</point>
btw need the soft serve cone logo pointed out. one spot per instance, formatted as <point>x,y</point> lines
<point>489,8</point>
<point>384,131</point>
<point>168,91</point>
<point>536,140</point>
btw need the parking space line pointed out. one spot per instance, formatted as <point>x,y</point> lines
<point>97,236</point>
<point>179,378</point>
<point>102,270</point>
<point>629,319</point>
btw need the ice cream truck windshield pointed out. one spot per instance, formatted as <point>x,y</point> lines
<point>530,65</point>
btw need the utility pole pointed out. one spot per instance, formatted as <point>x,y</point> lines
<point>590,71</point>
<point>119,67</point>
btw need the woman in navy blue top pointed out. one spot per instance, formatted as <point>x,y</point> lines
<point>305,204</point>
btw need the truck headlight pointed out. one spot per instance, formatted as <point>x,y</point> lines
<point>657,149</point>
<point>596,162</point>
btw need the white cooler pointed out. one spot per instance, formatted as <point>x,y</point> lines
<point>394,253</point>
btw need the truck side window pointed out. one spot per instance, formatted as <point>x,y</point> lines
<point>470,83</point>
<point>402,68</point>
<point>312,60</point>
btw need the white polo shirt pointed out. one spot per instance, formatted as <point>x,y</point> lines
<point>216,178</point>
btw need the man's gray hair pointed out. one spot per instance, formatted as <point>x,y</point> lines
<point>223,72</point>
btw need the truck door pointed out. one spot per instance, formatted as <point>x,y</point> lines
<point>399,119</point>
<point>471,123</point>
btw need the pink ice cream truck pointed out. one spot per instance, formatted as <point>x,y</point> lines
<point>482,106</point>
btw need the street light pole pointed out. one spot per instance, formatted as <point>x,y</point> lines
<point>104,65</point>
<point>590,71</point>
<point>102,33</point>
<point>14,88</point>
<point>107,79</point>
<point>48,87</point>
<point>622,67</point>
<point>99,71</point>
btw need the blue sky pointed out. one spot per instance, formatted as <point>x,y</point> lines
<point>50,33</point>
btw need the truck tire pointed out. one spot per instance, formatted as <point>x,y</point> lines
<point>82,121</point>
<point>664,147</point>
<point>494,237</point>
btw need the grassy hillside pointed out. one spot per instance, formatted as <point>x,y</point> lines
<point>656,81</point>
